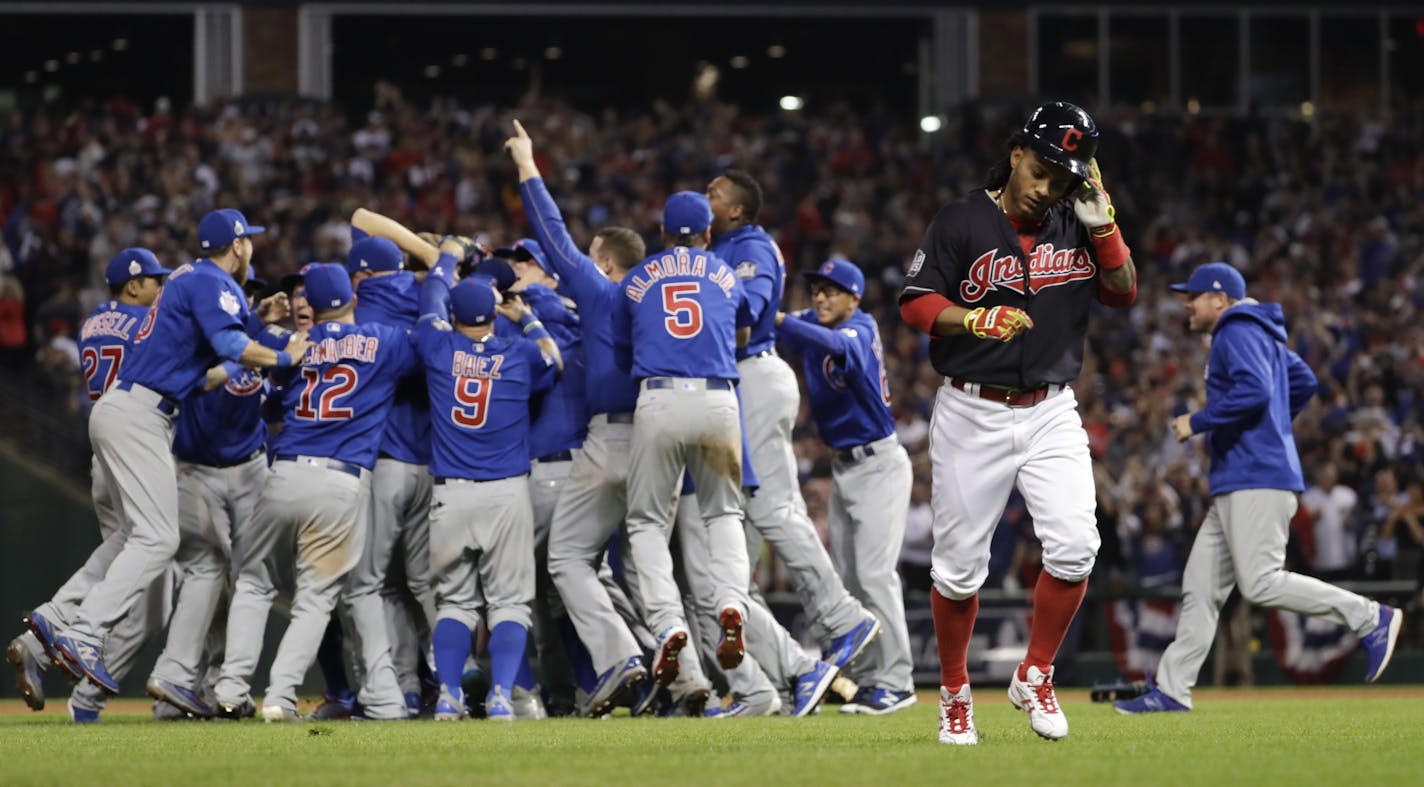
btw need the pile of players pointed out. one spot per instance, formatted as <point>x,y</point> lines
<point>560,459</point>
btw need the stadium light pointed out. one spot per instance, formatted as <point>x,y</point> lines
<point>431,72</point>
<point>792,103</point>
<point>51,66</point>
<point>740,62</point>
<point>553,53</point>
<point>460,61</point>
<point>931,123</point>
<point>120,44</point>
<point>776,51</point>
<point>489,53</point>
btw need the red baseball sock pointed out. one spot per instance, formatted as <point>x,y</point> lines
<point>954,624</point>
<point>1055,602</point>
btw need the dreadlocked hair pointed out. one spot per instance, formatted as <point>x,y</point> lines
<point>998,176</point>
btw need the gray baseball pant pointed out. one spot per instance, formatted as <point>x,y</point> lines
<point>685,426</point>
<point>1242,543</point>
<point>870,499</point>
<point>482,551</point>
<point>777,510</point>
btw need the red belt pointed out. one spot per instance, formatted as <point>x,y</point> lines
<point>1011,397</point>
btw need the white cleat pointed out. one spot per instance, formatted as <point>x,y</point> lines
<point>1035,697</point>
<point>273,712</point>
<point>956,717</point>
<point>528,706</point>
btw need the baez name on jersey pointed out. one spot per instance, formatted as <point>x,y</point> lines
<point>677,263</point>
<point>1047,267</point>
<point>472,365</point>
<point>353,347</point>
<point>115,323</point>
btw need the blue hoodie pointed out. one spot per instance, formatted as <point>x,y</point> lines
<point>1255,385</point>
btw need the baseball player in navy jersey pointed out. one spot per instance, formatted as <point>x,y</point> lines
<point>335,407</point>
<point>400,482</point>
<point>1255,386</point>
<point>134,277</point>
<point>1002,283</point>
<point>676,331</point>
<point>777,512</point>
<point>200,317</point>
<point>593,503</point>
<point>849,393</point>
<point>481,520</point>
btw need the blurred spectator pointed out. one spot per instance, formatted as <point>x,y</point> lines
<point>1331,506</point>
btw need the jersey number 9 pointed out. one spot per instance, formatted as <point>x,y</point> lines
<point>684,313</point>
<point>473,393</point>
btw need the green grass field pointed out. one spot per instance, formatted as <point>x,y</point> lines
<point>1271,738</point>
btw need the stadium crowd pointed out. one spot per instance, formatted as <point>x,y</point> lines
<point>1320,215</point>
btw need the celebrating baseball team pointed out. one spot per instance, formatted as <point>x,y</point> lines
<point>531,481</point>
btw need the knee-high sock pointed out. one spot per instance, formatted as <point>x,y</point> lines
<point>452,646</point>
<point>579,658</point>
<point>954,625</point>
<point>507,646</point>
<point>1055,602</point>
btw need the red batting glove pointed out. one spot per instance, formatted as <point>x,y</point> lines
<point>997,322</point>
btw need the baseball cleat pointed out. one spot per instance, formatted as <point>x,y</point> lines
<point>1153,701</point>
<point>44,631</point>
<point>845,648</point>
<point>273,712</point>
<point>80,715</point>
<point>497,705</point>
<point>1379,643</point>
<point>670,644</point>
<point>649,697</point>
<point>770,705</point>
<point>167,711</point>
<point>732,646</point>
<point>412,703</point>
<point>812,686</point>
<point>1035,696</point>
<point>692,704</point>
<point>528,705</point>
<point>236,711</point>
<point>612,683</point>
<point>451,706</point>
<point>878,702</point>
<point>335,707</point>
<point>88,658</point>
<point>29,675</point>
<point>956,717</point>
<point>181,697</point>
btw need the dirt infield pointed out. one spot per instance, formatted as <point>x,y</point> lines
<point>14,707</point>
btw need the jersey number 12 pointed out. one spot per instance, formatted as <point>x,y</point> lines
<point>341,378</point>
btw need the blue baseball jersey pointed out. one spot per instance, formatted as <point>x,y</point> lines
<point>560,416</point>
<point>394,299</point>
<point>846,384</point>
<point>223,426</point>
<point>762,269</point>
<point>172,350</point>
<point>607,387</point>
<point>336,403</point>
<point>680,311</point>
<point>104,340</point>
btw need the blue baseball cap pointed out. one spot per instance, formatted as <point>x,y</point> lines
<point>472,301</point>
<point>358,234</point>
<point>1215,277</point>
<point>132,263</point>
<point>374,254</point>
<point>527,249</point>
<point>687,213</point>
<point>222,227</point>
<point>328,286</point>
<point>498,271</point>
<point>842,273</point>
<point>254,286</point>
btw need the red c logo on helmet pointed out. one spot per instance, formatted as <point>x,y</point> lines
<point>1070,139</point>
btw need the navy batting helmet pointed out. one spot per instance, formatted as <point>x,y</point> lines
<point>1062,133</point>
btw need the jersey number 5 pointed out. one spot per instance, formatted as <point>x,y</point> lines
<point>684,313</point>
<point>341,378</point>
<point>114,354</point>
<point>472,397</point>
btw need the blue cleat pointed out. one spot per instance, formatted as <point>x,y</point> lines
<point>878,702</point>
<point>498,706</point>
<point>847,646</point>
<point>812,686</point>
<point>1379,643</point>
<point>340,706</point>
<point>181,697</point>
<point>612,683</point>
<point>44,631</point>
<point>736,709</point>
<point>87,657</point>
<point>412,703</point>
<point>1153,701</point>
<point>80,715</point>
<point>451,706</point>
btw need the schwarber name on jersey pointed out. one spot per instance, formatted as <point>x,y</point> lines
<point>846,384</point>
<point>758,262</point>
<point>335,404</point>
<point>973,256</point>
<point>104,339</point>
<point>679,317</point>
<point>172,350</point>
<point>479,400</point>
